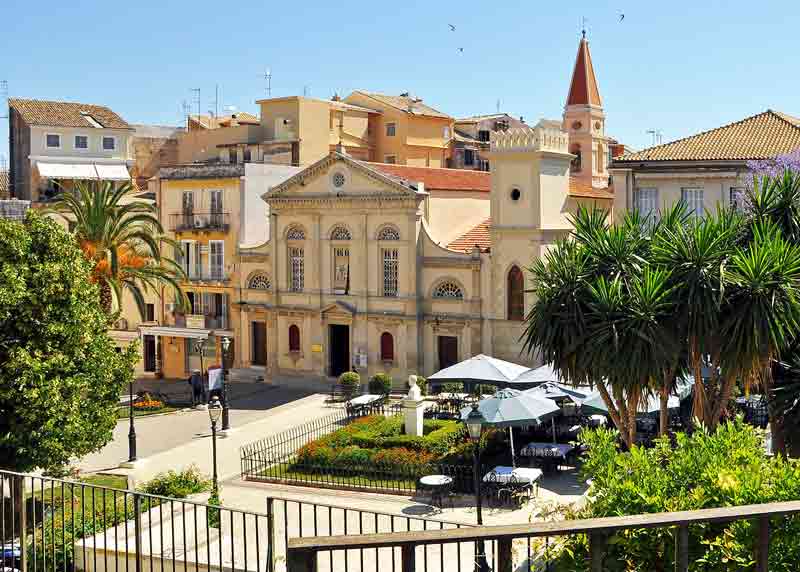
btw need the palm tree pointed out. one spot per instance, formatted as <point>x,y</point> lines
<point>122,238</point>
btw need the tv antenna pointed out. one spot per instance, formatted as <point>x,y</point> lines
<point>268,78</point>
<point>196,91</point>
<point>4,99</point>
<point>498,106</point>
<point>656,134</point>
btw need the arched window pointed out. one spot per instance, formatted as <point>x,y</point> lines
<point>387,347</point>
<point>295,233</point>
<point>340,233</point>
<point>515,285</point>
<point>388,233</point>
<point>294,338</point>
<point>259,281</point>
<point>575,164</point>
<point>449,290</point>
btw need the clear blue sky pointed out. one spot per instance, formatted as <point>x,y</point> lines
<point>677,66</point>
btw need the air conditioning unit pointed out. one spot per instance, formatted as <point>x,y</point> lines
<point>199,222</point>
<point>170,307</point>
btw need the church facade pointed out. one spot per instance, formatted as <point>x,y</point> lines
<point>354,273</point>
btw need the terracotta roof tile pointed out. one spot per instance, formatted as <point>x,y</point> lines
<point>761,136</point>
<point>211,122</point>
<point>411,105</point>
<point>439,179</point>
<point>66,114</point>
<point>477,235</point>
<point>578,188</point>
<point>4,185</point>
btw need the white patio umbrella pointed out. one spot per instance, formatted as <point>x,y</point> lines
<point>510,408</point>
<point>536,376</point>
<point>552,390</point>
<point>594,402</point>
<point>481,368</point>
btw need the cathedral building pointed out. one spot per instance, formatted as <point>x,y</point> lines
<point>355,272</point>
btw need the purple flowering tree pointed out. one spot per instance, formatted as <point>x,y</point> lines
<point>775,167</point>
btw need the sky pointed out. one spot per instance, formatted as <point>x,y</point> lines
<point>678,67</point>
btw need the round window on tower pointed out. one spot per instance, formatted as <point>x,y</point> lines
<point>576,125</point>
<point>515,194</point>
<point>597,125</point>
<point>338,180</point>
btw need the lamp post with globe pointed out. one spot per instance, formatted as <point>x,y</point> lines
<point>474,422</point>
<point>226,420</point>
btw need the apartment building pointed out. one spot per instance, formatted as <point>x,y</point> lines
<point>470,146</point>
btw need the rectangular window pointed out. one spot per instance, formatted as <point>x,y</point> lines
<point>53,140</point>
<point>109,143</point>
<point>469,157</point>
<point>232,155</point>
<point>693,198</point>
<point>390,267</point>
<point>216,258</point>
<point>341,270</point>
<point>484,135</point>
<point>645,201</point>
<point>391,129</point>
<point>390,159</point>
<point>446,132</point>
<point>296,269</point>
<point>247,156</point>
<point>737,198</point>
<point>81,142</point>
<point>150,312</point>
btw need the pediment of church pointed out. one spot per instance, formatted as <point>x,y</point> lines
<point>339,309</point>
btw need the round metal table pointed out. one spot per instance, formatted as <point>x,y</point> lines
<point>439,485</point>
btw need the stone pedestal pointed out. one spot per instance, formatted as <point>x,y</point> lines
<point>413,408</point>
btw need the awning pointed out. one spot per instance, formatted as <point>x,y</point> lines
<point>172,332</point>
<point>50,170</point>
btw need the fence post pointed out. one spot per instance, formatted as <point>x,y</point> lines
<point>19,502</point>
<point>270,534</point>
<point>137,530</point>
<point>408,558</point>
<point>762,551</point>
<point>597,551</point>
<point>682,560</point>
<point>504,555</point>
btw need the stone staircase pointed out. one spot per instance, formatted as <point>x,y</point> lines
<point>247,375</point>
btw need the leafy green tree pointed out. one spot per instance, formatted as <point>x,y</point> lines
<point>122,237</point>
<point>60,373</point>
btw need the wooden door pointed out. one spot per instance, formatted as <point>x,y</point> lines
<point>259,343</point>
<point>448,351</point>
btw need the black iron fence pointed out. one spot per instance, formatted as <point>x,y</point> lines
<point>275,459</point>
<point>49,524</point>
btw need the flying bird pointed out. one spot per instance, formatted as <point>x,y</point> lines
<point>452,28</point>
<point>621,17</point>
<point>461,50</point>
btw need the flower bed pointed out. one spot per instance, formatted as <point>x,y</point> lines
<point>379,441</point>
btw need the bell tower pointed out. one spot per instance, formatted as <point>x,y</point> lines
<point>584,120</point>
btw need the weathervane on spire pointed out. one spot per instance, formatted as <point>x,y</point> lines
<point>583,26</point>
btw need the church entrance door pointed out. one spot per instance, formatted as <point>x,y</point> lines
<point>339,349</point>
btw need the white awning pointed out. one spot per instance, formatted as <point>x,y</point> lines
<point>50,170</point>
<point>172,332</point>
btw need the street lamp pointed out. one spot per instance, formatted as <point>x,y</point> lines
<point>132,430</point>
<point>226,419</point>
<point>214,412</point>
<point>474,423</point>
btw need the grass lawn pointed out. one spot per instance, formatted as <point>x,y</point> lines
<point>123,413</point>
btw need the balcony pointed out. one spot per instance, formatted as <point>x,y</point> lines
<point>201,321</point>
<point>206,274</point>
<point>199,221</point>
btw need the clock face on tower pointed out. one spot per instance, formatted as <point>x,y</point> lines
<point>576,125</point>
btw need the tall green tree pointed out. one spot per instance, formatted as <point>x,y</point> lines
<point>122,237</point>
<point>60,373</point>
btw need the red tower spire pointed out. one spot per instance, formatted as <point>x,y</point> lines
<point>583,87</point>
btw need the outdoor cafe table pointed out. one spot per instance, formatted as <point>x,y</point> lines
<point>438,484</point>
<point>546,450</point>
<point>357,404</point>
<point>502,474</point>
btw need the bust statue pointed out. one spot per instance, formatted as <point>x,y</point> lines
<point>414,393</point>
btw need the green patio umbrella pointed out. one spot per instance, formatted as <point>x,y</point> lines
<point>514,408</point>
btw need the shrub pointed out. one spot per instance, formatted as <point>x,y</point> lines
<point>705,470</point>
<point>441,440</point>
<point>400,458</point>
<point>422,383</point>
<point>177,484</point>
<point>453,387</point>
<point>350,381</point>
<point>380,384</point>
<point>353,456</point>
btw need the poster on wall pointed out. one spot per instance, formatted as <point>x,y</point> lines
<point>214,378</point>
<point>362,358</point>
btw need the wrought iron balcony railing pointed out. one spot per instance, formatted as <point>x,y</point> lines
<point>199,221</point>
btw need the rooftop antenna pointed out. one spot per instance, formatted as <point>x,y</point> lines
<point>185,109</point>
<point>196,91</point>
<point>498,106</point>
<point>306,90</point>
<point>268,77</point>
<point>216,100</point>
<point>656,135</point>
<point>4,99</point>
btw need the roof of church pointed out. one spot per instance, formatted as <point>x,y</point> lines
<point>761,136</point>
<point>439,179</point>
<point>583,88</point>
<point>476,236</point>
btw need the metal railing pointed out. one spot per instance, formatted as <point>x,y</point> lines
<point>62,525</point>
<point>306,554</point>
<point>201,221</point>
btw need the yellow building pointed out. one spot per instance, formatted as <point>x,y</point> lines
<point>354,272</point>
<point>199,207</point>
<point>408,132</point>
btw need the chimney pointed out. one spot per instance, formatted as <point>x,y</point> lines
<point>336,97</point>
